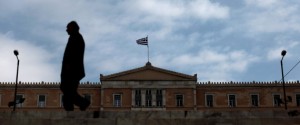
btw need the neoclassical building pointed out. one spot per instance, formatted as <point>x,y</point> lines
<point>149,88</point>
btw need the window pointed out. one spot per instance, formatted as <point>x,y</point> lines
<point>138,98</point>
<point>87,96</point>
<point>19,100</point>
<point>148,98</point>
<point>179,100</point>
<point>231,101</point>
<point>254,100</point>
<point>298,100</point>
<point>117,100</point>
<point>209,100</point>
<point>276,100</point>
<point>41,101</point>
<point>159,98</point>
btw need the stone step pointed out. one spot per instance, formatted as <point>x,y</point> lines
<point>148,118</point>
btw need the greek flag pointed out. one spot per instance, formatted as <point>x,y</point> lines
<point>142,41</point>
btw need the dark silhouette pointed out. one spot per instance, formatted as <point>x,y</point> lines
<point>73,70</point>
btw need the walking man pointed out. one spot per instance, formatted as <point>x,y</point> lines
<point>73,70</point>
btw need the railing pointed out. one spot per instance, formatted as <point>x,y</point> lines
<point>253,83</point>
<point>44,84</point>
<point>208,83</point>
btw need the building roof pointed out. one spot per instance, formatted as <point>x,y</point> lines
<point>147,73</point>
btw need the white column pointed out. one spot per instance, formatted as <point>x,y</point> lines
<point>195,103</point>
<point>143,91</point>
<point>133,97</point>
<point>153,97</point>
<point>102,96</point>
<point>164,97</point>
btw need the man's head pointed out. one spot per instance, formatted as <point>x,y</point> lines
<point>72,28</point>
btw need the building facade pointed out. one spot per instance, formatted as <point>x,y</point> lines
<point>150,88</point>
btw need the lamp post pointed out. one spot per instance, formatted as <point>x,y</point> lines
<point>283,53</point>
<point>15,98</point>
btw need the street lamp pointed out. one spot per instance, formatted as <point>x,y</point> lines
<point>20,100</point>
<point>15,98</point>
<point>283,53</point>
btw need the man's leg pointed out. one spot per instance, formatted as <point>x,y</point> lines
<point>68,94</point>
<point>80,101</point>
<point>67,102</point>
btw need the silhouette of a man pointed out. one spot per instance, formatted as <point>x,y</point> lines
<point>73,69</point>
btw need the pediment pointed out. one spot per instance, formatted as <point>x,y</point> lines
<point>148,73</point>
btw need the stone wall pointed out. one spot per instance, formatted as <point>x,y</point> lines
<point>194,94</point>
<point>271,117</point>
<point>31,91</point>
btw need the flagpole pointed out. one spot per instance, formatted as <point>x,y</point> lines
<point>148,48</point>
<point>144,41</point>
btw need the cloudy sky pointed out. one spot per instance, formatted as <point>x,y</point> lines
<point>220,40</point>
